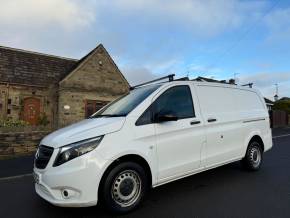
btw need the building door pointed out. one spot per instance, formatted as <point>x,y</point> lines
<point>31,110</point>
<point>93,106</point>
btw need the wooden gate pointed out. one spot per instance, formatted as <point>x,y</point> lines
<point>31,110</point>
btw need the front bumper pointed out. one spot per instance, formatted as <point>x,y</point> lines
<point>72,184</point>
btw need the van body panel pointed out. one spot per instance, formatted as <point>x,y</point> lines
<point>88,128</point>
<point>239,113</point>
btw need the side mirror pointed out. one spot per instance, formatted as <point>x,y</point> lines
<point>165,117</point>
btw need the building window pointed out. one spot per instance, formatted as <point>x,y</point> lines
<point>93,106</point>
<point>8,111</point>
<point>9,101</point>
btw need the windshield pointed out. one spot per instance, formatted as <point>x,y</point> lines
<point>125,104</point>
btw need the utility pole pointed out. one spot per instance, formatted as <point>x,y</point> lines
<point>235,77</point>
<point>276,96</point>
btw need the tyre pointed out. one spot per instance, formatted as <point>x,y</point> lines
<point>254,156</point>
<point>124,187</point>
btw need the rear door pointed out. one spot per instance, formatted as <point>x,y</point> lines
<point>179,143</point>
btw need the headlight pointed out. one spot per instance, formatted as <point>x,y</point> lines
<point>76,149</point>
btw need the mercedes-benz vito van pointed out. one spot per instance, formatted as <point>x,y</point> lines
<point>155,134</point>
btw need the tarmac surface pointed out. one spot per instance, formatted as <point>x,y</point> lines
<point>228,191</point>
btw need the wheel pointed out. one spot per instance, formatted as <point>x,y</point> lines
<point>254,156</point>
<point>124,187</point>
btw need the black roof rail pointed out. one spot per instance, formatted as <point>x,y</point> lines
<point>249,84</point>
<point>182,79</point>
<point>170,78</point>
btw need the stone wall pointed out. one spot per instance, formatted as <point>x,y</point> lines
<point>12,99</point>
<point>19,143</point>
<point>76,100</point>
<point>97,73</point>
<point>96,78</point>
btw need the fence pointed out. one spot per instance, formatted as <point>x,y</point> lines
<point>279,118</point>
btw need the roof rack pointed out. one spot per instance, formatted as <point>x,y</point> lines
<point>170,78</point>
<point>182,79</point>
<point>249,84</point>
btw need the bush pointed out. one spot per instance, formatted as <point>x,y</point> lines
<point>43,120</point>
<point>282,105</point>
<point>13,123</point>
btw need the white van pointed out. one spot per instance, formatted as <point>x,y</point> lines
<point>155,134</point>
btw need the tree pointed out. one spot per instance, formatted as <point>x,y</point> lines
<point>283,105</point>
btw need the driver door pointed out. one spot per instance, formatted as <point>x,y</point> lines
<point>179,143</point>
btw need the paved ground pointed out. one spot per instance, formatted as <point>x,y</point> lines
<point>16,166</point>
<point>228,191</point>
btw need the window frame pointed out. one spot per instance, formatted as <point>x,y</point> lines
<point>152,103</point>
<point>94,103</point>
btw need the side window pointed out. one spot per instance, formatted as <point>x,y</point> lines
<point>146,117</point>
<point>176,100</point>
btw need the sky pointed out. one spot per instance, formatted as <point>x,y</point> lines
<point>243,39</point>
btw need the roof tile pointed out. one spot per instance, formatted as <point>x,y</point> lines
<point>31,68</point>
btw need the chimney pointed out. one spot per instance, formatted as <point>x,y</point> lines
<point>232,82</point>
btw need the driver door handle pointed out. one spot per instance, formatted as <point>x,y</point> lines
<point>194,122</point>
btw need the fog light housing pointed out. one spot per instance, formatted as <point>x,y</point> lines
<point>69,193</point>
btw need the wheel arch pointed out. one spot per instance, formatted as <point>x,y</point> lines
<point>255,136</point>
<point>128,158</point>
<point>259,139</point>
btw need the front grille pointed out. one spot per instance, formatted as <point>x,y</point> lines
<point>43,156</point>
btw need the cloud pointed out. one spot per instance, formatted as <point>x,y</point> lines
<point>137,75</point>
<point>66,13</point>
<point>206,18</point>
<point>266,79</point>
<point>266,83</point>
<point>137,26</point>
<point>164,66</point>
<point>48,26</point>
<point>284,90</point>
<point>204,69</point>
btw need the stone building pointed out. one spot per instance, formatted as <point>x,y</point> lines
<point>38,87</point>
